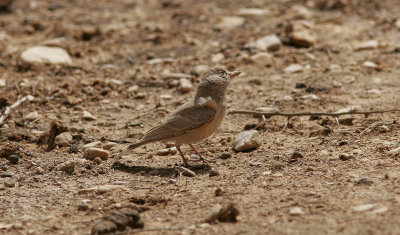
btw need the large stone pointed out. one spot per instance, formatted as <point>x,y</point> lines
<point>63,140</point>
<point>92,153</point>
<point>247,140</point>
<point>230,22</point>
<point>301,34</point>
<point>262,58</point>
<point>185,85</point>
<point>293,68</point>
<point>45,55</point>
<point>269,42</point>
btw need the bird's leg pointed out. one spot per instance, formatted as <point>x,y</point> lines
<point>183,156</point>
<point>198,154</point>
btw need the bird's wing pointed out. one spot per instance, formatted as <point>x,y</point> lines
<point>187,117</point>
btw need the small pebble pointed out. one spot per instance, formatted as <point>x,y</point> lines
<point>369,64</point>
<point>225,156</point>
<point>88,116</point>
<point>293,68</point>
<point>345,156</point>
<point>185,85</point>
<point>218,192</point>
<point>247,140</point>
<point>13,159</point>
<point>92,153</point>
<point>295,156</point>
<point>217,58</point>
<point>97,160</point>
<point>83,207</point>
<point>212,173</point>
<point>39,170</point>
<point>109,145</point>
<point>9,184</point>
<point>296,211</point>
<point>368,45</point>
<point>262,58</point>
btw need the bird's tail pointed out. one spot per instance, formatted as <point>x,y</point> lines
<point>131,147</point>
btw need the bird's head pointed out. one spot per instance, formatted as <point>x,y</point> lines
<point>218,76</point>
<point>214,82</point>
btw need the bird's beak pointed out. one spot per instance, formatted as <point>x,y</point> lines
<point>233,74</point>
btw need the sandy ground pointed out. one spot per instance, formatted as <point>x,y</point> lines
<point>124,56</point>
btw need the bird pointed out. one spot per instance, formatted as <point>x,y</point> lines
<point>195,120</point>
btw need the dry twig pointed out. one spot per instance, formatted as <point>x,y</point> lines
<point>13,106</point>
<point>290,115</point>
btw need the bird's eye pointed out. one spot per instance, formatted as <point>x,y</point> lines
<point>222,73</point>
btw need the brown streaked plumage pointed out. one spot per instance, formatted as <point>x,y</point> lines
<point>196,119</point>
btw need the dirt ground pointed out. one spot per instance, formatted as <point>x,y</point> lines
<point>125,56</point>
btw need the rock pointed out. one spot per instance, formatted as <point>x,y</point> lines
<point>67,167</point>
<point>345,156</point>
<point>300,12</point>
<point>267,109</point>
<point>83,207</point>
<point>364,181</point>
<point>215,58</point>
<point>166,97</point>
<point>5,4</point>
<point>97,160</point>
<point>118,221</point>
<point>39,170</point>
<point>45,55</point>
<point>103,189</point>
<point>295,156</point>
<point>95,144</point>
<point>199,69</point>
<point>262,58</point>
<point>364,207</point>
<point>13,159</point>
<point>310,97</point>
<point>108,145</point>
<point>212,173</point>
<point>354,108</point>
<point>247,140</point>
<point>226,214</point>
<point>230,22</point>
<point>167,151</point>
<point>55,42</point>
<point>88,116</point>
<point>335,68</point>
<point>394,152</point>
<point>337,84</point>
<point>104,227</point>
<point>63,140</point>
<point>218,192</point>
<point>9,184</point>
<point>133,88</point>
<point>368,45</point>
<point>92,153</point>
<point>348,79</point>
<point>296,211</point>
<point>300,34</point>
<point>32,116</point>
<point>3,82</point>
<point>225,156</point>
<point>269,42</point>
<point>397,23</point>
<point>254,11</point>
<point>185,85</point>
<point>293,68</point>
<point>369,64</point>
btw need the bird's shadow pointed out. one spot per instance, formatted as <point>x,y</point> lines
<point>159,171</point>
